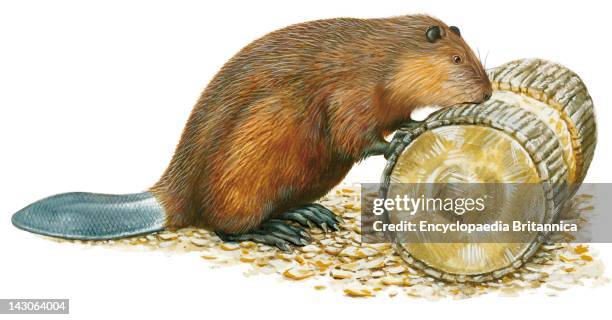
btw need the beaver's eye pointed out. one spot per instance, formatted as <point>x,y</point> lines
<point>457,59</point>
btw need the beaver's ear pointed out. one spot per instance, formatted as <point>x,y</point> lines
<point>433,34</point>
<point>455,30</point>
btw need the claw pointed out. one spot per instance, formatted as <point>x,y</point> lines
<point>306,236</point>
<point>310,225</point>
<point>324,227</point>
<point>335,227</point>
<point>314,215</point>
<point>339,219</point>
<point>283,246</point>
<point>326,216</point>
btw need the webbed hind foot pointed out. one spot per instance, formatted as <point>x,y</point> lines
<point>281,234</point>
<point>272,232</point>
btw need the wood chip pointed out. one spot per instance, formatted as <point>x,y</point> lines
<point>229,246</point>
<point>199,242</point>
<point>297,273</point>
<point>358,292</point>
<point>167,235</point>
<point>341,274</point>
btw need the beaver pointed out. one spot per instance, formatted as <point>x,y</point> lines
<point>280,125</point>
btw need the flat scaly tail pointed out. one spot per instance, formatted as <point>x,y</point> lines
<point>92,216</point>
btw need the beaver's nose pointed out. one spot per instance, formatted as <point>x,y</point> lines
<point>486,96</point>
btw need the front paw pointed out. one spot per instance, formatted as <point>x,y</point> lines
<point>398,138</point>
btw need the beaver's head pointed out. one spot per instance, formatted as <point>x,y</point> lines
<point>437,68</point>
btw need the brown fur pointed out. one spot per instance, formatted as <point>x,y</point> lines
<point>285,119</point>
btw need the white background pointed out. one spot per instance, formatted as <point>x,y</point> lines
<point>93,97</point>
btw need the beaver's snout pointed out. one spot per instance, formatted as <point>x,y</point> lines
<point>481,97</point>
<point>486,96</point>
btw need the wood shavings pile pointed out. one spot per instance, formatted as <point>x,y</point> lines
<point>339,261</point>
